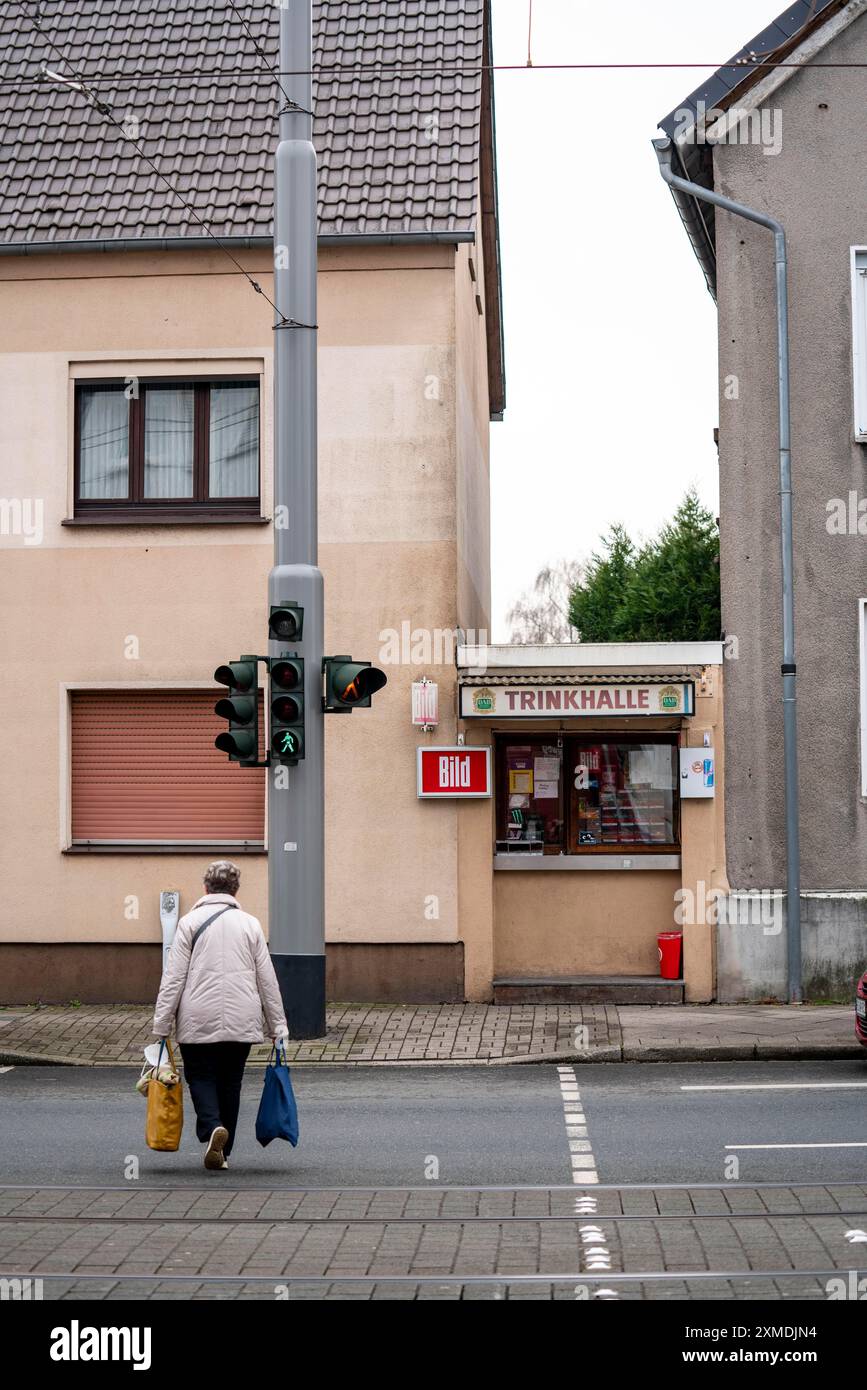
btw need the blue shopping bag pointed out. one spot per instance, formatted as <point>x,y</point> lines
<point>278,1113</point>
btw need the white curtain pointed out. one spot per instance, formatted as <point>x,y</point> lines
<point>103,417</point>
<point>234,441</point>
<point>168,469</point>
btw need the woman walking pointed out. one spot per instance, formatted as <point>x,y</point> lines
<point>218,980</point>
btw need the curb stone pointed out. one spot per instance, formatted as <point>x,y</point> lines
<point>677,1052</point>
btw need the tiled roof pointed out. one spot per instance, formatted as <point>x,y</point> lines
<point>209,125</point>
<point>746,66</point>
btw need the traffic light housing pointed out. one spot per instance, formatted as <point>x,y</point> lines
<point>241,708</point>
<point>350,684</point>
<point>287,708</point>
<point>286,623</point>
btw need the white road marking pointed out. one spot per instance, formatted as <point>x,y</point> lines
<point>597,1257</point>
<point>2,1069</point>
<point>580,1148</point>
<point>798,1146</point>
<point>782,1086</point>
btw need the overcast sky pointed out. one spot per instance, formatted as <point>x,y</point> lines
<point>610,330</point>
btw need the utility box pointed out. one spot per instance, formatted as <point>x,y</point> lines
<point>696,772</point>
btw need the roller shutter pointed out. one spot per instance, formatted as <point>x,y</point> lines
<point>145,770</point>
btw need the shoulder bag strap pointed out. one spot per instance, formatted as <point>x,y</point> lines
<point>227,907</point>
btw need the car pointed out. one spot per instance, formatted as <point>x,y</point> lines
<point>861,1010</point>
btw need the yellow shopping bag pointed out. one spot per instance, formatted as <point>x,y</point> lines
<point>165,1117</point>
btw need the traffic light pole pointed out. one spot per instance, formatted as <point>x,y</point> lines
<point>296,796</point>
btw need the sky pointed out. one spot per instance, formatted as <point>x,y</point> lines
<point>611,363</point>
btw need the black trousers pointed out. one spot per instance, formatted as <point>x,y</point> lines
<point>214,1073</point>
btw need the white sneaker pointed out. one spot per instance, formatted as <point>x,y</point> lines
<point>214,1152</point>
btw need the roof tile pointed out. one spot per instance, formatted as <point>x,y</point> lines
<point>212,132</point>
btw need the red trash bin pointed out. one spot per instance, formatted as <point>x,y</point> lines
<point>669,944</point>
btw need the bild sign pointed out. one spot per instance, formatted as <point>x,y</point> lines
<point>455,771</point>
<point>528,701</point>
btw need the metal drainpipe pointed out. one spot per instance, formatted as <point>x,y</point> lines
<point>790,728</point>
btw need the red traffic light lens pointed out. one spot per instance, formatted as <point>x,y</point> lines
<point>285,709</point>
<point>286,674</point>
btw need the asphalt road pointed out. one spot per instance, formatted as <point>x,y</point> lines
<point>483,1125</point>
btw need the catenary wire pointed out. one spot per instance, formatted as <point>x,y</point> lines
<point>105,111</point>
<point>413,69</point>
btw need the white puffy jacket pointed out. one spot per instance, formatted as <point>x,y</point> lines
<point>220,993</point>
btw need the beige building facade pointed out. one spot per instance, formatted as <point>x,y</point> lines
<point>404,493</point>
<point>136,496</point>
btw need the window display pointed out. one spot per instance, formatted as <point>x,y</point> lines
<point>585,795</point>
<point>530,821</point>
<point>622,794</point>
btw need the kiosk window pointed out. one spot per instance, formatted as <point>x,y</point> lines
<point>587,795</point>
<point>621,794</point>
<point>529,811</point>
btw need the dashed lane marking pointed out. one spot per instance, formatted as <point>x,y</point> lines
<point>596,1257</point>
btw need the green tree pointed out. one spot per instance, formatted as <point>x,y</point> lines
<point>596,601</point>
<point>667,591</point>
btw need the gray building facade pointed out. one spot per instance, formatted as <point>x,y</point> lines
<point>786,134</point>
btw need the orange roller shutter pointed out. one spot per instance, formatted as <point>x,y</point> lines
<point>145,769</point>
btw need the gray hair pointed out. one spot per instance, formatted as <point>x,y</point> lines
<point>222,877</point>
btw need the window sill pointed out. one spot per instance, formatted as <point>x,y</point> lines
<point>166,518</point>
<point>625,863</point>
<point>169,847</point>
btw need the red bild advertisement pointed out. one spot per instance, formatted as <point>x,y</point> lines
<point>454,771</point>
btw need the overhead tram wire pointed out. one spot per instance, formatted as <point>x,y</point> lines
<point>415,69</point>
<point>271,72</point>
<point>104,110</point>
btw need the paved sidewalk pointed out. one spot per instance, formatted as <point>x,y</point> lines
<point>99,1035</point>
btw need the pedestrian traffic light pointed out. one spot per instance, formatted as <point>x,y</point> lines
<point>241,708</point>
<point>287,708</point>
<point>286,623</point>
<point>349,684</point>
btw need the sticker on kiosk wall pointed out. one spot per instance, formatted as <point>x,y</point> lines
<point>456,772</point>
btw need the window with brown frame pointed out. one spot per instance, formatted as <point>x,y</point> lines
<point>167,449</point>
<point>594,793</point>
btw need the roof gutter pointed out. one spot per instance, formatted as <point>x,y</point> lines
<point>700,236</point>
<point>251,243</point>
<point>663,149</point>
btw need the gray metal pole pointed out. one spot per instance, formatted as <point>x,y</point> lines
<point>790,726</point>
<point>296,795</point>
